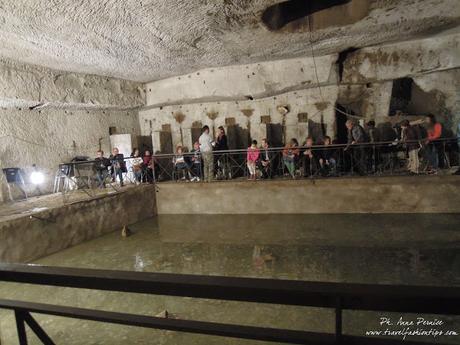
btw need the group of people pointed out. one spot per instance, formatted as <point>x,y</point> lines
<point>362,153</point>
<point>201,162</point>
<point>418,139</point>
<point>116,166</point>
<point>207,159</point>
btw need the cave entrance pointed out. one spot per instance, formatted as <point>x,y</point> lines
<point>408,98</point>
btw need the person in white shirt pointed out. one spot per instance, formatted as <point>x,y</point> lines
<point>136,163</point>
<point>206,144</point>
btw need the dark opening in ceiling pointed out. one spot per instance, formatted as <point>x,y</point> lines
<point>277,16</point>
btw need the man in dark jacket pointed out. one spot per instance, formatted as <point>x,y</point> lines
<point>100,165</point>
<point>373,151</point>
<point>265,160</point>
<point>309,158</point>
<point>117,160</point>
<point>327,160</point>
<point>356,137</point>
<point>221,166</point>
<point>410,139</point>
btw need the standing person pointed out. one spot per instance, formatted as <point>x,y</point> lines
<point>458,147</point>
<point>434,131</point>
<point>309,159</point>
<point>409,138</point>
<point>196,162</point>
<point>252,158</point>
<point>221,140</point>
<point>100,165</point>
<point>221,166</point>
<point>148,167</point>
<point>371,132</point>
<point>373,151</point>
<point>290,155</point>
<point>118,165</point>
<point>356,137</point>
<point>136,165</point>
<point>265,163</point>
<point>458,134</point>
<point>206,145</point>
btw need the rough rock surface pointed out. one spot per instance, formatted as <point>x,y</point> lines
<point>24,239</point>
<point>52,136</point>
<point>30,86</point>
<point>243,82</point>
<point>365,89</point>
<point>153,39</point>
<point>316,108</point>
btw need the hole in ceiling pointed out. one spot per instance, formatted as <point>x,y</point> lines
<point>278,15</point>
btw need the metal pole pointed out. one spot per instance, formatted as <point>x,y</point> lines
<point>39,332</point>
<point>338,321</point>
<point>20,326</point>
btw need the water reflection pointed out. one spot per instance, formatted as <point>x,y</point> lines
<point>402,249</point>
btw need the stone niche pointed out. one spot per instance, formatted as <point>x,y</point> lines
<point>265,119</point>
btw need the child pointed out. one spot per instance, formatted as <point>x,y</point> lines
<point>179,163</point>
<point>252,157</point>
<point>196,162</point>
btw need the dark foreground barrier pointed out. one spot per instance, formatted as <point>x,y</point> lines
<point>339,296</point>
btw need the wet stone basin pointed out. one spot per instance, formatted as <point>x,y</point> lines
<point>384,249</point>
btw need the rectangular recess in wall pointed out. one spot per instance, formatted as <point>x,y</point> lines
<point>265,119</point>
<point>302,117</point>
<point>166,127</point>
<point>197,124</point>
<point>230,121</point>
<point>112,130</point>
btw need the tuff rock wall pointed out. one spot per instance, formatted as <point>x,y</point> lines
<point>248,97</point>
<point>48,117</point>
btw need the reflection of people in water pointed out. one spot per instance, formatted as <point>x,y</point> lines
<point>260,258</point>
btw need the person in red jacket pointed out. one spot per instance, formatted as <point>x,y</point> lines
<point>434,130</point>
<point>253,154</point>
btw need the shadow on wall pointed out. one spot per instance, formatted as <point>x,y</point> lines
<point>166,143</point>
<point>238,138</point>
<point>195,131</point>
<point>275,134</point>
<point>317,130</point>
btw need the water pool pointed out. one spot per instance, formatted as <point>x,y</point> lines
<point>386,249</point>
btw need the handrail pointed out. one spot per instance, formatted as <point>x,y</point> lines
<point>430,299</point>
<point>320,147</point>
<point>179,325</point>
<point>276,149</point>
<point>340,296</point>
<point>23,309</point>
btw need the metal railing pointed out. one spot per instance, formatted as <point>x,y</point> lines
<point>82,175</point>
<point>370,159</point>
<point>335,160</point>
<point>337,296</point>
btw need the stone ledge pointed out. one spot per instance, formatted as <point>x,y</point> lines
<point>24,239</point>
<point>421,194</point>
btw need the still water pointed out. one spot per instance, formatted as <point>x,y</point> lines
<point>385,249</point>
